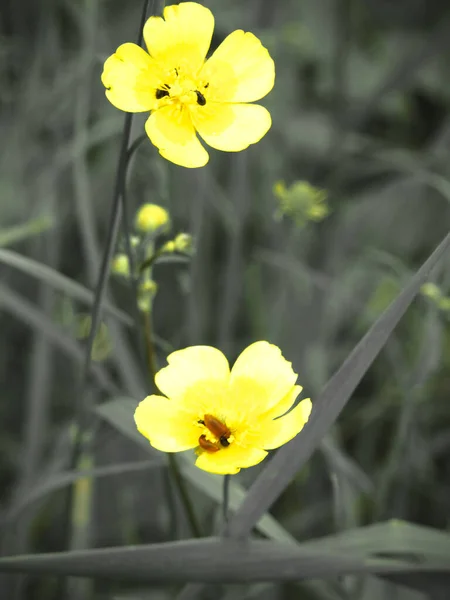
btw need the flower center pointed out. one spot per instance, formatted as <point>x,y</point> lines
<point>181,88</point>
<point>218,435</point>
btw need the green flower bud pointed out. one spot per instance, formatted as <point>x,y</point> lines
<point>431,290</point>
<point>146,292</point>
<point>183,243</point>
<point>302,202</point>
<point>121,265</point>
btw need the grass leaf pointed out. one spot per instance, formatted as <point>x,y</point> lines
<point>210,560</point>
<point>327,407</point>
<point>393,538</point>
<point>24,310</point>
<point>21,232</point>
<point>58,281</point>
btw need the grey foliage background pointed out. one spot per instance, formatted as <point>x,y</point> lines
<point>361,109</point>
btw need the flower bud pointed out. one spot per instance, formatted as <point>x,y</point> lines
<point>121,265</point>
<point>168,247</point>
<point>431,290</point>
<point>151,217</point>
<point>302,202</point>
<point>146,292</point>
<point>183,243</point>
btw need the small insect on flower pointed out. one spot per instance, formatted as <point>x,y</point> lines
<point>187,93</point>
<point>231,418</point>
<point>217,428</point>
<point>206,445</point>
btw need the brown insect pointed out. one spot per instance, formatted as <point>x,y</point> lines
<point>206,445</point>
<point>217,428</point>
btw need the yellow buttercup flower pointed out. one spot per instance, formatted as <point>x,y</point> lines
<point>185,93</point>
<point>231,417</point>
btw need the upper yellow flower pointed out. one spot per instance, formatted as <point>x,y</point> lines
<point>231,418</point>
<point>186,93</point>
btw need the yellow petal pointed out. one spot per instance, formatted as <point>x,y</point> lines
<point>167,426</point>
<point>240,70</point>
<point>131,79</point>
<point>260,379</point>
<point>182,38</point>
<point>231,460</point>
<point>231,127</point>
<point>197,365</point>
<point>170,129</point>
<point>276,433</point>
<point>285,404</point>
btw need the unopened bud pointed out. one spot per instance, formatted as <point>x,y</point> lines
<point>121,265</point>
<point>431,290</point>
<point>151,217</point>
<point>183,243</point>
<point>146,293</point>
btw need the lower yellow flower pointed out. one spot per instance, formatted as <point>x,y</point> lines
<point>185,93</point>
<point>230,417</point>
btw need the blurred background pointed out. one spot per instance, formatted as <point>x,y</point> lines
<point>302,240</point>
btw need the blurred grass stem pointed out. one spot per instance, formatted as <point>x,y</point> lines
<point>226,498</point>
<point>182,489</point>
<point>82,407</point>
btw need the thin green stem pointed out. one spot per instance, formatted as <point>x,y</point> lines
<point>226,498</point>
<point>82,408</point>
<point>150,347</point>
<point>188,506</point>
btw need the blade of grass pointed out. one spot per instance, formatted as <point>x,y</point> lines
<point>326,409</point>
<point>72,288</point>
<point>26,312</point>
<point>58,281</point>
<point>23,231</point>
<point>61,480</point>
<point>211,560</point>
<point>394,537</point>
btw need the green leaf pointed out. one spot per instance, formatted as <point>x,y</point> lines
<point>327,407</point>
<point>119,413</point>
